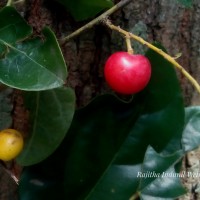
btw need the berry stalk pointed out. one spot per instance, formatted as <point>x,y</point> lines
<point>128,44</point>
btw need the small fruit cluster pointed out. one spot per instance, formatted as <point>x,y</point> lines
<point>127,73</point>
<point>11,144</point>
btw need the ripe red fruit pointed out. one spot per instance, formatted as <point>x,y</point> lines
<point>127,73</point>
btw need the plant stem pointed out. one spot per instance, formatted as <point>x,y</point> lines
<point>96,20</point>
<point>159,51</point>
<point>128,44</point>
<point>9,3</point>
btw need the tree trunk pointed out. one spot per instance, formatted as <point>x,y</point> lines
<point>167,22</point>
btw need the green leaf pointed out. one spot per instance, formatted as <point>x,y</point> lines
<point>167,187</point>
<point>51,115</point>
<point>84,9</point>
<point>93,141</point>
<point>34,64</point>
<point>191,133</point>
<point>5,108</point>
<point>13,28</point>
<point>158,178</point>
<point>186,3</point>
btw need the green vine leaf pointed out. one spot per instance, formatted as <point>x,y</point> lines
<point>51,115</point>
<point>84,9</point>
<point>34,64</point>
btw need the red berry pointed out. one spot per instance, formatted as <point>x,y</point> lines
<point>126,73</point>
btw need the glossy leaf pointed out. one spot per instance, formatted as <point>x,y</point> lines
<point>51,115</point>
<point>167,187</point>
<point>93,141</point>
<point>84,9</point>
<point>191,134</point>
<point>158,177</point>
<point>6,107</point>
<point>13,28</point>
<point>34,64</point>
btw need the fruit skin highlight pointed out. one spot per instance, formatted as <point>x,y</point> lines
<point>11,144</point>
<point>127,73</point>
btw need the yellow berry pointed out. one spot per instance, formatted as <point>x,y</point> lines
<point>11,144</point>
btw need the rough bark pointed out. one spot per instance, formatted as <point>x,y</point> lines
<point>167,22</point>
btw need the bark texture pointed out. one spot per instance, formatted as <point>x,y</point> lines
<point>167,22</point>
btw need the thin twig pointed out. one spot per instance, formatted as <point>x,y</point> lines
<point>159,51</point>
<point>96,20</point>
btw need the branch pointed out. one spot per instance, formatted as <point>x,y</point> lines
<point>159,51</point>
<point>96,20</point>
